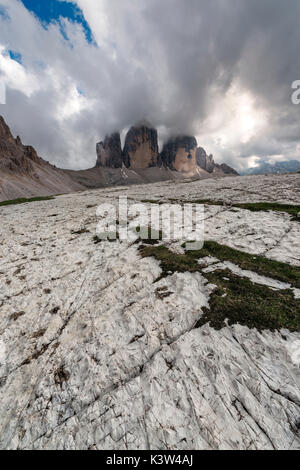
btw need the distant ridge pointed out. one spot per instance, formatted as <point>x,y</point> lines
<point>24,174</point>
<point>290,166</point>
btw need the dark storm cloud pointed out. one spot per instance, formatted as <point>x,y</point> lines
<point>171,62</point>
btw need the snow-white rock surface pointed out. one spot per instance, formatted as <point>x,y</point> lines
<point>93,356</point>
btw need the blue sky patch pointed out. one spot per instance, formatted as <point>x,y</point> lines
<point>52,10</point>
<point>15,56</point>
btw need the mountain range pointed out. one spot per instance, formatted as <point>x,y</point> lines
<point>24,174</point>
<point>291,166</point>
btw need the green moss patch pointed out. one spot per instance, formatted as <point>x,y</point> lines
<point>171,262</point>
<point>259,264</point>
<point>237,300</point>
<point>270,206</point>
<point>24,200</point>
<point>148,235</point>
<point>290,209</point>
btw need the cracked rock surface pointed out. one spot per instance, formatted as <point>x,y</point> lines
<point>94,354</point>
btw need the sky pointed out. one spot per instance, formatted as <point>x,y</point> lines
<point>221,70</point>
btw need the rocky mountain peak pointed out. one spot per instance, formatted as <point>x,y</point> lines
<point>24,174</point>
<point>30,153</point>
<point>5,133</point>
<point>109,152</point>
<point>206,162</point>
<point>179,153</point>
<point>141,147</point>
<point>228,170</point>
<point>14,156</point>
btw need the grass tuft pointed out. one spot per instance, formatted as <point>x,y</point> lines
<point>272,206</point>
<point>292,210</point>
<point>266,267</point>
<point>189,261</point>
<point>24,200</point>
<point>237,300</point>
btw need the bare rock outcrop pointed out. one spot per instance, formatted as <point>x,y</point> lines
<point>207,163</point>
<point>30,153</point>
<point>179,154</point>
<point>141,147</point>
<point>109,152</point>
<point>14,156</point>
<point>24,174</point>
<point>102,348</point>
<point>227,170</point>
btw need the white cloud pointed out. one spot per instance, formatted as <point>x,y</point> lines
<point>234,120</point>
<point>15,76</point>
<point>177,64</point>
<point>253,161</point>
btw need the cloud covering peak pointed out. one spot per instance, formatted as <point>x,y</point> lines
<point>221,70</point>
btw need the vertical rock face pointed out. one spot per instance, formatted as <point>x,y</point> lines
<point>206,162</point>
<point>180,154</point>
<point>109,152</point>
<point>140,151</point>
<point>141,147</point>
<point>201,158</point>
